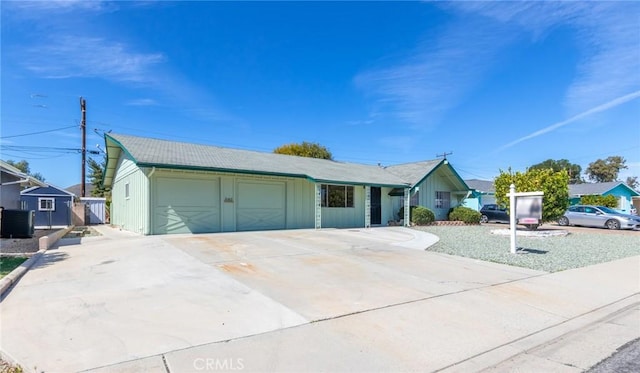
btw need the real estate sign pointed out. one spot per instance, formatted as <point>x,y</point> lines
<point>525,208</point>
<point>529,209</point>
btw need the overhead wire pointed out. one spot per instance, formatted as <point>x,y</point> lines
<point>37,133</point>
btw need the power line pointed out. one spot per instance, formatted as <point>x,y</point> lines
<point>44,149</point>
<point>36,133</point>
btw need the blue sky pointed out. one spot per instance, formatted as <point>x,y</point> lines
<point>498,84</point>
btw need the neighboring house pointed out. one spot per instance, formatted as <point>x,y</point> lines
<point>482,193</point>
<point>52,205</point>
<point>12,181</point>
<point>623,193</point>
<point>161,187</point>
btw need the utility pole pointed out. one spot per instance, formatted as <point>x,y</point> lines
<point>83,128</point>
<point>444,155</point>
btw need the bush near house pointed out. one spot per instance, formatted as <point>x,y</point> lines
<point>465,214</point>
<point>401,213</point>
<point>598,200</point>
<point>422,216</point>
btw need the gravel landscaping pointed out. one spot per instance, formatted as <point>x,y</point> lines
<point>24,245</point>
<point>551,254</point>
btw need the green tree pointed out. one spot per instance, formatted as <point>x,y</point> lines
<point>96,177</point>
<point>23,166</point>
<point>574,170</point>
<point>632,181</point>
<point>554,184</point>
<point>604,170</point>
<point>305,149</point>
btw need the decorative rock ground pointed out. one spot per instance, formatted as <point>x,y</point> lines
<point>541,233</point>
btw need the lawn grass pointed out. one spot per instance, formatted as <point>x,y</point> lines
<point>8,264</point>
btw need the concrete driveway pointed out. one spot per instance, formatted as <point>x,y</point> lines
<point>303,300</point>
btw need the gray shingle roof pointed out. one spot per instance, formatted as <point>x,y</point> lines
<point>481,185</point>
<point>593,188</point>
<point>153,152</point>
<point>414,172</point>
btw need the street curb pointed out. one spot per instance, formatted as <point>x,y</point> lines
<point>542,337</point>
<point>45,243</point>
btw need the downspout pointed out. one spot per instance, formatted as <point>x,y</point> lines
<point>150,207</point>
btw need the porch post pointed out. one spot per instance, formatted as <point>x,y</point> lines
<point>318,206</point>
<point>407,206</point>
<point>367,206</point>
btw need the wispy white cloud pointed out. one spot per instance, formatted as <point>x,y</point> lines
<point>440,72</point>
<point>607,33</point>
<point>363,122</point>
<point>39,9</point>
<point>51,48</point>
<point>65,56</point>
<point>598,109</point>
<point>437,75</point>
<point>142,102</point>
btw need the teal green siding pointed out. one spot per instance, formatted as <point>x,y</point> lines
<point>440,181</point>
<point>130,212</point>
<point>349,217</point>
<point>390,206</point>
<point>167,201</point>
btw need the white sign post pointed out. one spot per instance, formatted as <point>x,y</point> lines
<point>512,211</point>
<point>512,216</point>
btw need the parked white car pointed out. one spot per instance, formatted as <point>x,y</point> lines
<point>598,216</point>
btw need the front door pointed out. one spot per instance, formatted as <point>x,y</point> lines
<point>376,205</point>
<point>442,204</point>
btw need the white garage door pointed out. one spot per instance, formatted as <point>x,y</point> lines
<point>186,206</point>
<point>261,205</point>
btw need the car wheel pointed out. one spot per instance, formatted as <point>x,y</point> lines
<point>612,224</point>
<point>563,221</point>
<point>484,219</point>
<point>532,227</point>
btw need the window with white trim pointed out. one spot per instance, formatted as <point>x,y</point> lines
<point>443,200</point>
<point>126,190</point>
<point>46,204</point>
<point>336,195</point>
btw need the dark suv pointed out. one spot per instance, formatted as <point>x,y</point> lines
<point>495,213</point>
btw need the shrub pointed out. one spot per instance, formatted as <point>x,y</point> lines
<point>422,216</point>
<point>401,213</point>
<point>555,186</point>
<point>465,214</point>
<point>598,200</point>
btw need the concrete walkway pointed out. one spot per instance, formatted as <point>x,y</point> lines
<point>329,300</point>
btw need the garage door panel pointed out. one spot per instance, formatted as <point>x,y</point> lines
<point>188,192</point>
<point>261,206</point>
<point>187,206</point>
